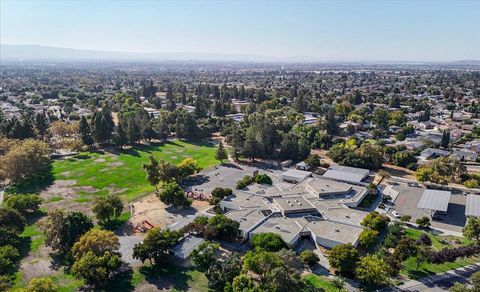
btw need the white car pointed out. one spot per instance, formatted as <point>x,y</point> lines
<point>395,214</point>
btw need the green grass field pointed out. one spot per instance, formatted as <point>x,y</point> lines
<point>321,282</point>
<point>122,172</point>
<point>438,242</point>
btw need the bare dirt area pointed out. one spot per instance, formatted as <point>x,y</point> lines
<point>323,155</point>
<point>62,194</point>
<point>150,208</point>
<point>37,264</point>
<point>399,171</point>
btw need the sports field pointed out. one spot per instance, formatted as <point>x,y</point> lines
<point>121,172</point>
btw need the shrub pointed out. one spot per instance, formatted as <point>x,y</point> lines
<point>375,221</point>
<point>423,222</point>
<point>245,181</point>
<point>221,192</point>
<point>268,241</point>
<point>309,258</point>
<point>263,179</point>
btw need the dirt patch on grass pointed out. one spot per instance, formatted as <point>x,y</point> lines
<point>99,160</point>
<point>37,265</point>
<point>86,189</point>
<point>150,208</point>
<point>115,164</point>
<point>114,190</point>
<point>62,188</point>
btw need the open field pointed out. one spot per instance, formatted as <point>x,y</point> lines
<point>99,173</point>
<point>438,242</point>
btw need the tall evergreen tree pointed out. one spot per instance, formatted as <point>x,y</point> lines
<point>221,153</point>
<point>85,131</point>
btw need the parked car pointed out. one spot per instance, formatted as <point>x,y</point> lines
<point>413,184</point>
<point>396,214</point>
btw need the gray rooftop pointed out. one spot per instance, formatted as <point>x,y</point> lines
<point>294,204</point>
<point>435,200</point>
<point>346,173</point>
<point>186,246</point>
<point>472,207</point>
<point>299,174</point>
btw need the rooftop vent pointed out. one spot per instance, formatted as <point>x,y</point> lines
<point>337,230</point>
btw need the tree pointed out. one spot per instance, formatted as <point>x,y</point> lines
<point>9,258</point>
<point>107,207</point>
<point>472,229</point>
<point>225,228</point>
<point>313,161</point>
<point>26,204</point>
<point>445,139</point>
<point>243,283</point>
<point>459,287</point>
<point>221,193</point>
<point>423,222</point>
<point>252,148</point>
<point>343,258</point>
<point>156,245</point>
<point>152,168</point>
<point>62,229</point>
<point>375,221</point>
<point>380,118</point>
<point>96,241</point>
<point>97,270</point>
<point>368,238</point>
<point>120,137</point>
<point>338,283</point>
<point>11,219</point>
<point>205,255</point>
<point>405,218</point>
<point>221,153</point>
<point>267,241</point>
<point>372,270</point>
<point>423,254</point>
<point>188,167</point>
<point>172,194</point>
<point>24,160</point>
<point>41,285</point>
<point>309,257</point>
<point>85,131</point>
<point>261,263</point>
<point>41,124</point>
<point>221,273</point>
<point>102,126</point>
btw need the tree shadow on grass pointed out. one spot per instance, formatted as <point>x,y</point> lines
<point>35,183</point>
<point>166,277</point>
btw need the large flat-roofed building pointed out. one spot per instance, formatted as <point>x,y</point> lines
<point>330,234</point>
<point>295,175</point>
<point>322,188</point>
<point>248,219</point>
<point>316,208</point>
<point>242,200</point>
<point>294,204</point>
<point>472,207</point>
<point>435,201</point>
<point>346,173</point>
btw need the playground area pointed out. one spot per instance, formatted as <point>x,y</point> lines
<point>149,212</point>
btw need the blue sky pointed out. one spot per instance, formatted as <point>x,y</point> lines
<point>321,30</point>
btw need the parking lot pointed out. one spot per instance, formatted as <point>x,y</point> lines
<point>407,201</point>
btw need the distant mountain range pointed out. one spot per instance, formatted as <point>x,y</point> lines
<point>47,53</point>
<point>39,52</point>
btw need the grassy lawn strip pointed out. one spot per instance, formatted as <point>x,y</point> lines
<point>321,282</point>
<point>123,173</point>
<point>37,238</point>
<point>173,278</point>
<point>438,242</point>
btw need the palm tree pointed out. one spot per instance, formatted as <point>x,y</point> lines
<point>338,283</point>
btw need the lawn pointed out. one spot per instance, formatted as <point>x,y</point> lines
<point>321,282</point>
<point>438,242</point>
<point>37,238</point>
<point>122,172</point>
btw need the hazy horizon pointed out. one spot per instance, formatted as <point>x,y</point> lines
<point>325,31</point>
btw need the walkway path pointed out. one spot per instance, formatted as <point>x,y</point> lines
<point>439,282</point>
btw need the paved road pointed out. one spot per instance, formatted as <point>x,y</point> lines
<point>440,282</point>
